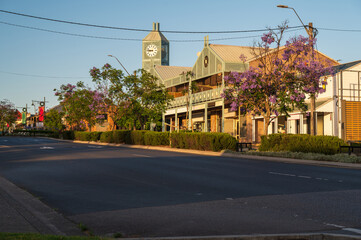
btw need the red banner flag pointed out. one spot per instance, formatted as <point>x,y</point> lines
<point>41,114</point>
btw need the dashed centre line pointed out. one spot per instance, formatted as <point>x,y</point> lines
<point>301,176</point>
<point>283,174</point>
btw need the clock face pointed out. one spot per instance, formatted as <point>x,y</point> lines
<point>151,50</point>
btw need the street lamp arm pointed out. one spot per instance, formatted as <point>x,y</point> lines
<point>307,30</point>
<point>119,63</point>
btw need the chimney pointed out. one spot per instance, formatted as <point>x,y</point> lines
<point>154,26</point>
<point>157,27</point>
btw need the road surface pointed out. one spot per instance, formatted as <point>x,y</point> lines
<point>144,193</point>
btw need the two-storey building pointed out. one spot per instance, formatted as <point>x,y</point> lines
<point>204,109</point>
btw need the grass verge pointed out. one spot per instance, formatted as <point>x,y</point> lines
<point>340,157</point>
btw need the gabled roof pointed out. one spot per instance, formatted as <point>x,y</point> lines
<point>345,66</point>
<point>167,72</point>
<point>230,53</point>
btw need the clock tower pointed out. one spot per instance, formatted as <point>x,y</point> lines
<point>155,50</point>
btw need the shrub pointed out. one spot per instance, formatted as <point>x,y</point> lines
<point>137,137</point>
<point>301,143</point>
<point>95,136</point>
<point>68,135</point>
<point>121,136</point>
<point>87,136</point>
<point>203,141</point>
<point>156,138</point>
<point>107,137</point>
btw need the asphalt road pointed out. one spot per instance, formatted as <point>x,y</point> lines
<point>143,193</point>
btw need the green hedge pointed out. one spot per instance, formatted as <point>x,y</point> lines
<point>203,141</point>
<point>68,135</point>
<point>199,141</point>
<point>301,143</point>
<point>106,137</point>
<point>122,136</point>
<point>87,136</point>
<point>156,138</point>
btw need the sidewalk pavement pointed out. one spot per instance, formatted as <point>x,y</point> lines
<point>20,212</point>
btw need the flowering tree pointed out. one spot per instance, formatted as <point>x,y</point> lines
<point>8,114</point>
<point>280,78</point>
<point>133,101</point>
<point>83,107</point>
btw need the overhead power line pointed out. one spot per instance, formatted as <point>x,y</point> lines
<point>29,75</point>
<point>340,30</point>
<point>137,29</point>
<point>131,39</point>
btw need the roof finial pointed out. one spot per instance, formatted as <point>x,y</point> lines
<point>206,41</point>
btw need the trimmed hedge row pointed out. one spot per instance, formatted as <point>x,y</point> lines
<point>301,143</point>
<point>199,141</point>
<point>203,141</point>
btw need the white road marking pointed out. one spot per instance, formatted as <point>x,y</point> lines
<point>94,146</point>
<point>358,231</point>
<point>282,174</point>
<point>308,177</point>
<point>4,146</point>
<point>46,148</point>
<point>140,155</point>
<point>334,225</point>
<point>301,176</point>
<point>354,230</point>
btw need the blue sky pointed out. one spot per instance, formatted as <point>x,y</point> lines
<point>59,59</point>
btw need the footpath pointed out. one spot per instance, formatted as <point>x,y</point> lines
<point>21,212</point>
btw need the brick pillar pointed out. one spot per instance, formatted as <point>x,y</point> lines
<point>214,122</point>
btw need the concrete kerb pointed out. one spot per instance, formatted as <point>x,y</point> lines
<point>41,217</point>
<point>232,155</point>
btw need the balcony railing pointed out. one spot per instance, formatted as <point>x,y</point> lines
<point>197,98</point>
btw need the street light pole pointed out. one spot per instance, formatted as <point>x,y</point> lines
<point>309,31</point>
<point>119,63</point>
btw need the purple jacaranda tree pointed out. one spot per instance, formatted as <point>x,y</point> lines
<point>278,79</point>
<point>83,106</point>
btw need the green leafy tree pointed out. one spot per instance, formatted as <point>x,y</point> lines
<point>54,120</point>
<point>134,101</point>
<point>8,114</point>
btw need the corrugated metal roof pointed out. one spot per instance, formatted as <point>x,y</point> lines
<point>345,66</point>
<point>230,53</point>
<point>155,36</point>
<point>167,72</point>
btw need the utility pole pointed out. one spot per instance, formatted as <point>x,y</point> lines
<point>311,36</point>
<point>313,97</point>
